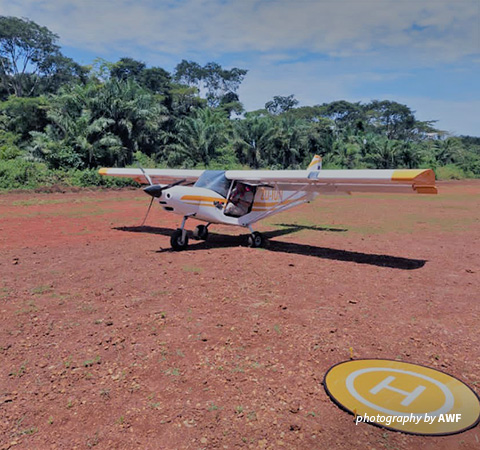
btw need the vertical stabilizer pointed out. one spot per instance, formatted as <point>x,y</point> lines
<point>316,163</point>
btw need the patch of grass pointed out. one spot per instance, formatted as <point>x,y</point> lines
<point>159,293</point>
<point>94,440</point>
<point>5,293</point>
<point>20,372</point>
<point>68,362</point>
<point>213,407</point>
<point>192,269</point>
<point>29,308</point>
<point>28,431</point>
<point>174,371</point>
<point>43,289</point>
<point>91,362</point>
<point>105,393</point>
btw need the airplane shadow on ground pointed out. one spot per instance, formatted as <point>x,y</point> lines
<point>217,240</point>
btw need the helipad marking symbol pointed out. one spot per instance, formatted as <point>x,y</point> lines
<point>409,396</point>
<point>447,406</point>
<point>358,385</point>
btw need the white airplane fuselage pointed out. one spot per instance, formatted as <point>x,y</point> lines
<point>209,206</point>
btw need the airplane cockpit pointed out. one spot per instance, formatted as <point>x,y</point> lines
<point>240,195</point>
<point>214,180</point>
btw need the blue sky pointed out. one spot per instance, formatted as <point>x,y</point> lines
<point>423,53</point>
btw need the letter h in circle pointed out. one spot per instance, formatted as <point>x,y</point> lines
<point>409,396</point>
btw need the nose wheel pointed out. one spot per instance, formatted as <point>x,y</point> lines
<point>179,240</point>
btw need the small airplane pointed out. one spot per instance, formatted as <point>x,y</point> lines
<point>244,197</point>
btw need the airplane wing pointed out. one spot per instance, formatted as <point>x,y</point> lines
<point>158,176</point>
<point>420,181</point>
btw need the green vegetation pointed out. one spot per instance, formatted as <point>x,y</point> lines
<point>60,121</point>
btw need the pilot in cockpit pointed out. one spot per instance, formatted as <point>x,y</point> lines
<point>240,200</point>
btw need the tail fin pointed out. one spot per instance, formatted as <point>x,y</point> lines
<point>316,163</point>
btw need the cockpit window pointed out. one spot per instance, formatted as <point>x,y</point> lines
<point>214,180</point>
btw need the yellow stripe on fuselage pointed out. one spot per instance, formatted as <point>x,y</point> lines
<point>201,199</point>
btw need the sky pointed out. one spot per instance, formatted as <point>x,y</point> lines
<point>422,53</point>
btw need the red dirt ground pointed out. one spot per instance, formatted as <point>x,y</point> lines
<point>110,340</point>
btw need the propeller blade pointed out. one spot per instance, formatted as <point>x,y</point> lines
<point>148,210</point>
<point>150,182</point>
<point>175,183</point>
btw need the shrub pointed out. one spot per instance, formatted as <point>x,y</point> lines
<point>22,174</point>
<point>450,172</point>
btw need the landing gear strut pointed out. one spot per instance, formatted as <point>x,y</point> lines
<point>179,238</point>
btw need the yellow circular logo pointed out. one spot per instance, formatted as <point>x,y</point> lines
<point>402,396</point>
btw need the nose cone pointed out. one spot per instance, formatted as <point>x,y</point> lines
<point>154,190</point>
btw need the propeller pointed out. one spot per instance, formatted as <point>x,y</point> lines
<point>155,190</point>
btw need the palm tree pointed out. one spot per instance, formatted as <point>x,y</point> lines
<point>198,138</point>
<point>104,124</point>
<point>254,140</point>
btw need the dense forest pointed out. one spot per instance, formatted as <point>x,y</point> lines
<point>59,121</point>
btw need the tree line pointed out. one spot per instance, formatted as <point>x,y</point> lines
<point>60,120</point>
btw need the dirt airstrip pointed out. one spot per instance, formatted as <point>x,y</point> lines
<point>110,340</point>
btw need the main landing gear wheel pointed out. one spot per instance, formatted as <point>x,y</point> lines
<point>201,232</point>
<point>177,241</point>
<point>256,239</point>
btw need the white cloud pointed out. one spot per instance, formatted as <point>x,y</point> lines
<point>443,29</point>
<point>319,50</point>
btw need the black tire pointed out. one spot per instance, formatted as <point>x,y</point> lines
<point>256,239</point>
<point>201,232</point>
<point>176,240</point>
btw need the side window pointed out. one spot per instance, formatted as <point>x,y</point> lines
<point>241,200</point>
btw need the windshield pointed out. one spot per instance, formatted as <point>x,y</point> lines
<point>214,180</point>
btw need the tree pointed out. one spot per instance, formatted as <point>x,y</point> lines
<point>156,80</point>
<point>198,138</point>
<point>100,124</point>
<point>230,103</point>
<point>189,73</point>
<point>290,143</point>
<point>21,116</point>
<point>394,120</point>
<point>346,116</point>
<point>254,140</point>
<point>215,80</point>
<point>281,104</point>
<point>127,68</point>
<point>25,51</point>
<point>58,72</point>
